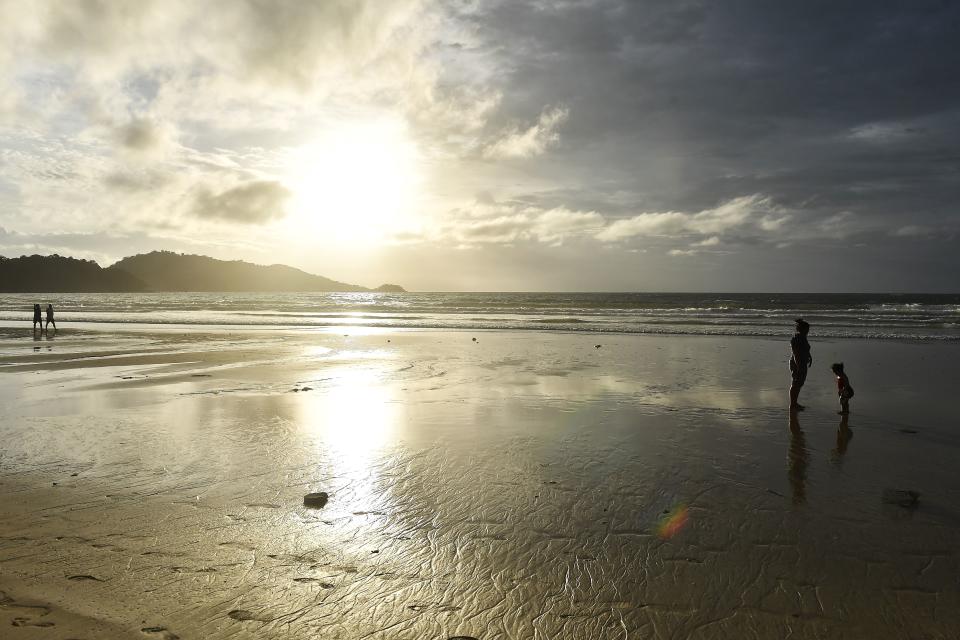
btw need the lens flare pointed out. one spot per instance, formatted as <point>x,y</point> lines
<point>672,523</point>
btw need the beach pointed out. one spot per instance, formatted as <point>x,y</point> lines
<point>482,483</point>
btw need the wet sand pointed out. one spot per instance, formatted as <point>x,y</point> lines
<point>523,485</point>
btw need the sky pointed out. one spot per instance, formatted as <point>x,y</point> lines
<point>501,145</point>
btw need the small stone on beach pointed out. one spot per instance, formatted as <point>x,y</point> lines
<point>597,346</point>
<point>316,500</point>
<point>241,614</point>
<point>161,631</point>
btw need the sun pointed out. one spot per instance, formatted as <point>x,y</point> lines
<point>356,184</point>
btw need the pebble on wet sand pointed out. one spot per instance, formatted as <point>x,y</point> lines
<point>241,614</point>
<point>316,500</point>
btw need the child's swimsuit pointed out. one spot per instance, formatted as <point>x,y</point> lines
<point>844,390</point>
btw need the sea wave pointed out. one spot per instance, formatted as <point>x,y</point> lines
<point>922,317</point>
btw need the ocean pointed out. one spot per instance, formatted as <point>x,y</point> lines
<point>888,316</point>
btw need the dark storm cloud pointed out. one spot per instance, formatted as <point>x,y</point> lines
<point>255,202</point>
<point>821,106</point>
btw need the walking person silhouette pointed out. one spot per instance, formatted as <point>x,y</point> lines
<point>37,320</point>
<point>49,317</point>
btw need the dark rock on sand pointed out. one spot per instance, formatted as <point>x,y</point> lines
<point>316,500</point>
<point>27,622</point>
<point>242,614</point>
<point>163,632</point>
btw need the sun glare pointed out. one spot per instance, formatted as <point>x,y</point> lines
<point>357,184</point>
<point>353,421</point>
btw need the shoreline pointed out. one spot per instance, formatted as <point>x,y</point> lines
<point>10,329</point>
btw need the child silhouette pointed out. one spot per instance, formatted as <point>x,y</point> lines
<point>844,390</point>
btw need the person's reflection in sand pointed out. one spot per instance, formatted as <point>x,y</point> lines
<point>797,461</point>
<point>37,335</point>
<point>844,436</point>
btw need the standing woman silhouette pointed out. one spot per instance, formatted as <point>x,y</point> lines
<point>50,317</point>
<point>800,361</point>
<point>37,320</point>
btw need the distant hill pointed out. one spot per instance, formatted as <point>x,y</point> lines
<point>60,274</point>
<point>161,271</point>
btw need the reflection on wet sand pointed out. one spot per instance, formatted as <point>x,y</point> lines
<point>351,421</point>
<point>797,459</point>
<point>844,435</point>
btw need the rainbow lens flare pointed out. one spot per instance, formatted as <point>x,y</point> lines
<point>671,524</point>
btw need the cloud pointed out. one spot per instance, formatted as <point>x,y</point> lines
<point>293,44</point>
<point>555,225</point>
<point>712,241</point>
<point>255,202</point>
<point>667,223</point>
<point>260,64</point>
<point>152,97</point>
<point>145,137</point>
<point>881,132</point>
<point>841,225</point>
<point>912,231</point>
<point>530,142</point>
<point>133,181</point>
<point>754,212</point>
<point>489,222</point>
